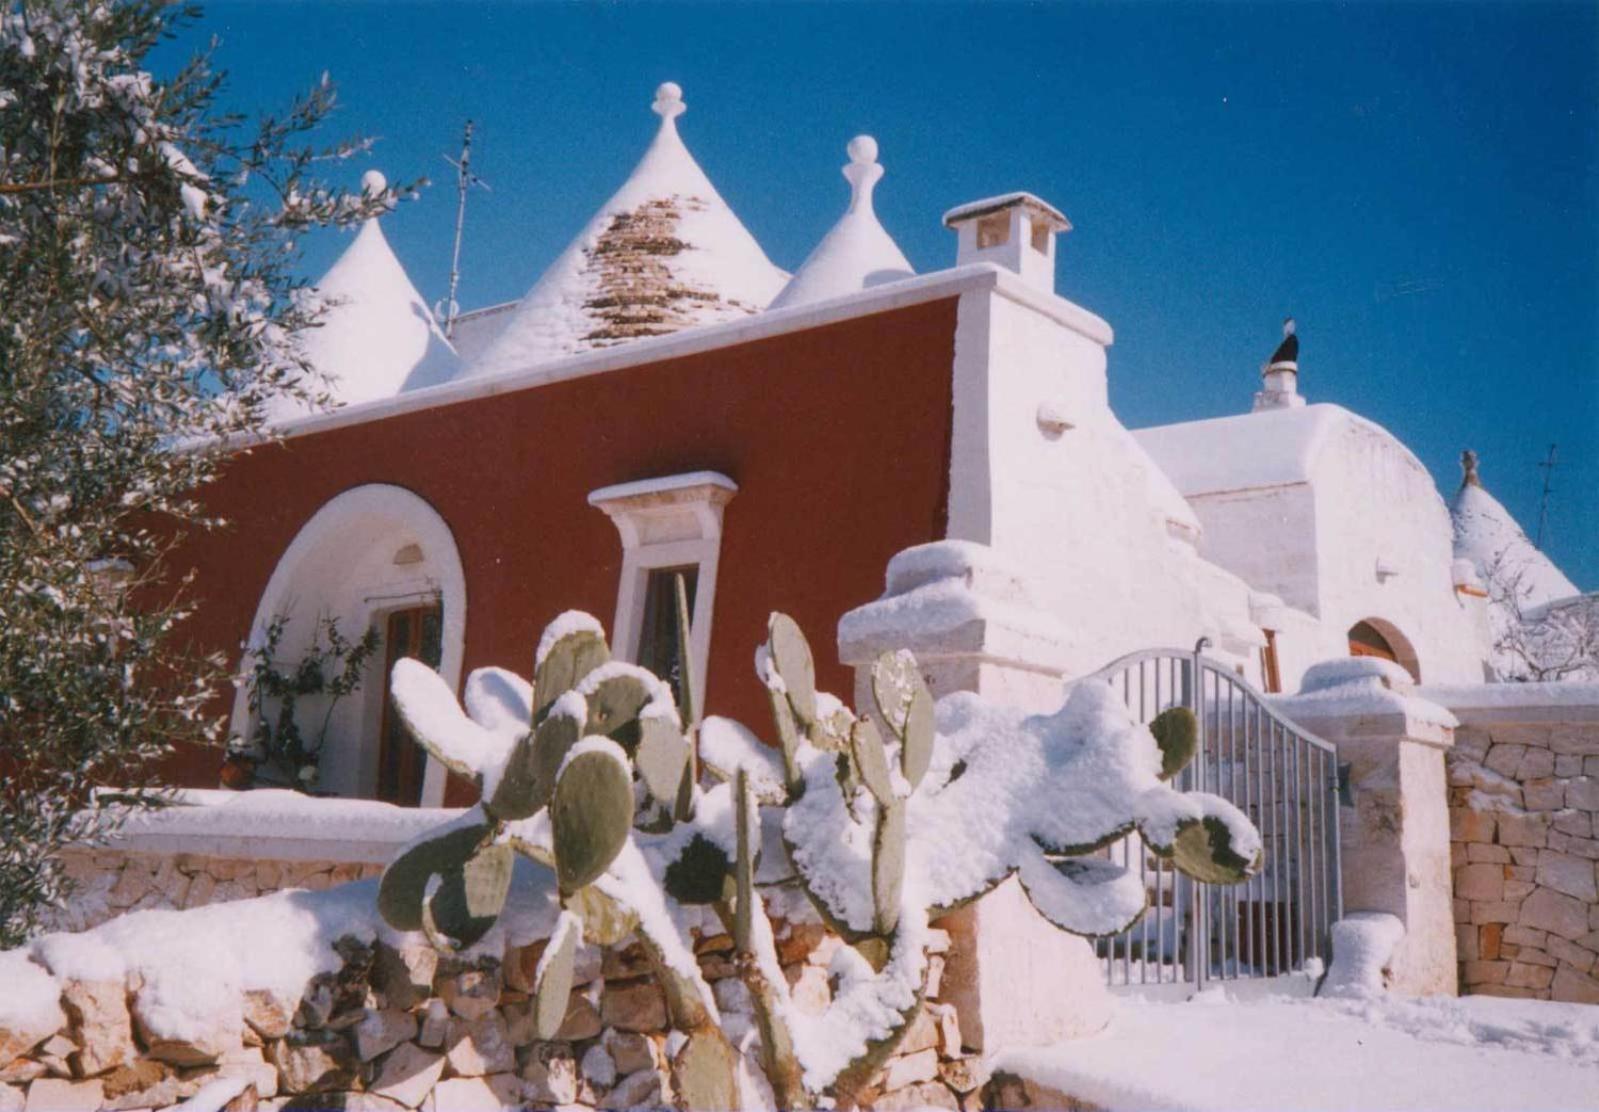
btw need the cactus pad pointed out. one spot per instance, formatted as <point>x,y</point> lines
<point>871,761</point>
<point>404,884</point>
<point>791,656</point>
<point>552,978</point>
<point>470,897</point>
<point>888,866</point>
<point>662,758</point>
<point>1204,850</point>
<point>1176,731</point>
<point>591,813</point>
<point>563,665</point>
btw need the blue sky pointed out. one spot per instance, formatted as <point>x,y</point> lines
<point>1418,184</point>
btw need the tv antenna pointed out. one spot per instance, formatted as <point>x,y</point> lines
<point>465,179</point>
<point>1548,467</point>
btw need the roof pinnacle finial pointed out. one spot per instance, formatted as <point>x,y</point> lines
<point>1468,465</point>
<point>863,172</point>
<point>669,101</point>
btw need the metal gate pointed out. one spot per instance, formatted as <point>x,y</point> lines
<point>1286,781</point>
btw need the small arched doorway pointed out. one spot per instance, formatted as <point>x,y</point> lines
<point>375,557</point>
<point>1382,639</point>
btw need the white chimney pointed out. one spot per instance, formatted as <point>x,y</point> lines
<point>1016,231</point>
<point>1279,385</point>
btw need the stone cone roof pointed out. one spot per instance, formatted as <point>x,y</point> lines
<point>663,254</point>
<point>858,252</point>
<point>377,336</point>
<point>1488,536</point>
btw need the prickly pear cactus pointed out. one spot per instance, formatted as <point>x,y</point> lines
<point>887,817</point>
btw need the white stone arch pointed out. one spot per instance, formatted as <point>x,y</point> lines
<point>367,551</point>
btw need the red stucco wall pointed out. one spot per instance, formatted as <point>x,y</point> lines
<point>838,438</point>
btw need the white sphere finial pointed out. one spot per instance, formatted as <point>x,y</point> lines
<point>669,100</point>
<point>863,172</point>
<point>374,182</point>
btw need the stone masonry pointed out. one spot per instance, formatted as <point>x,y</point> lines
<point>1524,838</point>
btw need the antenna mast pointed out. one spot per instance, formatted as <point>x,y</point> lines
<point>1548,466</point>
<point>464,180</point>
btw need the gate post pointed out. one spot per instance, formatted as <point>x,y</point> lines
<point>969,617</point>
<point>1394,828</point>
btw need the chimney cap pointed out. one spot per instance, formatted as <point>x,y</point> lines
<point>1034,204</point>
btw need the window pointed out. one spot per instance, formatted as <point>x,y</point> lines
<point>1040,239</point>
<point>415,632</point>
<point>668,526</point>
<point>1379,638</point>
<point>658,649</point>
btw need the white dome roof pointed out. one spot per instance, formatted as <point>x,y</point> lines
<point>857,252</point>
<point>377,335</point>
<point>663,254</point>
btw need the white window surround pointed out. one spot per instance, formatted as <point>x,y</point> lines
<point>320,572</point>
<point>673,521</point>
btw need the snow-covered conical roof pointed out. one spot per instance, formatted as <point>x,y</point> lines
<point>663,254</point>
<point>858,252</point>
<point>1489,537</point>
<point>377,335</point>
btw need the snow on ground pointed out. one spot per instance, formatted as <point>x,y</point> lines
<point>1437,1054</point>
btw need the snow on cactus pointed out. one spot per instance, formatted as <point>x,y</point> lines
<point>887,818</point>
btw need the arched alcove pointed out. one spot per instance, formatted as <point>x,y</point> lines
<point>369,554</point>
<point>1380,638</point>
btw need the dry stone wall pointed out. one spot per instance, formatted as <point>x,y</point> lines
<point>408,1028</point>
<point>109,882</point>
<point>1524,831</point>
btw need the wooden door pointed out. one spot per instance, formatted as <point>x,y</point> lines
<point>414,632</point>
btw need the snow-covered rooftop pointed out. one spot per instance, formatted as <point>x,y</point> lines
<point>664,253</point>
<point>1028,201</point>
<point>1489,537</point>
<point>377,335</point>
<point>857,252</point>
<point>1274,447</point>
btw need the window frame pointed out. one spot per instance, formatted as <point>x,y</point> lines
<point>668,522</point>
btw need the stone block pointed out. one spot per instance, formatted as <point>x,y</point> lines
<point>475,1048</point>
<point>51,1094</point>
<point>314,1061</point>
<point>802,940</point>
<point>1579,847</point>
<point>630,1051</point>
<point>1480,852</point>
<point>473,992</point>
<point>1480,882</point>
<point>963,1075</point>
<point>909,1069</point>
<point>1466,942</point>
<point>925,1094</point>
<point>1575,876</point>
<point>148,1082</point>
<point>1500,912</point>
<point>582,1019</point>
<point>1568,764</point>
<point>479,1094</point>
<point>1505,759</point>
<point>12,1099</point>
<point>1573,954</point>
<point>1489,938</point>
<point>434,1025</point>
<point>624,962</point>
<point>810,991</point>
<point>1469,825</point>
<point>1523,829</point>
<point>404,974</point>
<point>1544,795</point>
<point>268,1014</point>
<point>22,1034</point>
<point>1484,972</point>
<point>1511,991</point>
<point>1555,912</point>
<point>1575,739</point>
<point>638,1006</point>
<point>1579,824</point>
<point>1527,955</point>
<point>550,1074</point>
<point>101,1025</point>
<point>408,1074</point>
<point>21,1071</point>
<point>643,1089</point>
<point>381,1030</point>
<point>1538,764</point>
<point>1568,985</point>
<point>1583,793</point>
<point>1522,856</point>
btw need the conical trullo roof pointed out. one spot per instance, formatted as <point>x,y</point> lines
<point>377,336</point>
<point>1489,537</point>
<point>857,252</point>
<point>663,254</point>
